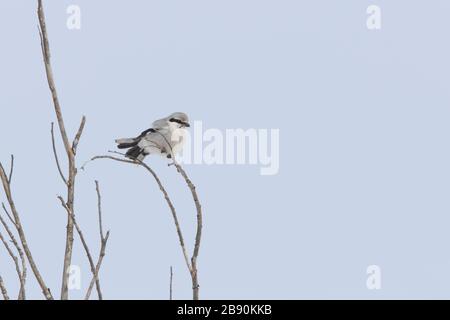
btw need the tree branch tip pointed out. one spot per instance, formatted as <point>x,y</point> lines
<point>83,167</point>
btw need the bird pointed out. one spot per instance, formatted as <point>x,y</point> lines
<point>166,137</point>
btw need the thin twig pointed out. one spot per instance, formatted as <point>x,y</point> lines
<point>18,225</point>
<point>8,215</point>
<point>99,206</point>
<point>11,170</point>
<point>55,153</point>
<point>3,289</point>
<point>23,275</point>
<point>83,241</point>
<point>78,135</point>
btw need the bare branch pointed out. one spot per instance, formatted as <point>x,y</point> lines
<point>198,236</point>
<point>18,224</point>
<point>119,153</point>
<point>114,158</point>
<point>83,241</point>
<point>11,170</point>
<point>97,268</point>
<point>78,135</point>
<point>23,274</point>
<point>3,289</point>
<point>99,205</point>
<point>166,197</point>
<point>9,216</point>
<point>55,153</point>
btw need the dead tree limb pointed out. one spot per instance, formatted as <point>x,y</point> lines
<point>69,148</point>
<point>20,231</point>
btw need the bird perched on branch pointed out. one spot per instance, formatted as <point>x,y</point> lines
<point>166,138</point>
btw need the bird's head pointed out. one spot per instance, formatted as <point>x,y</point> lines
<point>180,118</point>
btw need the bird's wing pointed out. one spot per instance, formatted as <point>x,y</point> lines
<point>156,139</point>
<point>145,132</point>
<point>125,140</point>
<point>136,139</point>
<point>160,124</point>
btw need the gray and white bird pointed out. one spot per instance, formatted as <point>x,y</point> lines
<point>166,138</point>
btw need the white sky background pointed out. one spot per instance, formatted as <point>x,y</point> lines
<point>364,126</point>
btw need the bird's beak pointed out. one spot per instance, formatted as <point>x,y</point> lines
<point>186,124</point>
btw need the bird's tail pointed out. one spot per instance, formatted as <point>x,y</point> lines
<point>127,143</point>
<point>134,151</point>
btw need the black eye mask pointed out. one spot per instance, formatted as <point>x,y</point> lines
<point>176,120</point>
<point>179,121</point>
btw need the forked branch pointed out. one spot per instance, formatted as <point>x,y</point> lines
<point>103,242</point>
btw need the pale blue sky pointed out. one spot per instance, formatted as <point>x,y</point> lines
<point>364,165</point>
